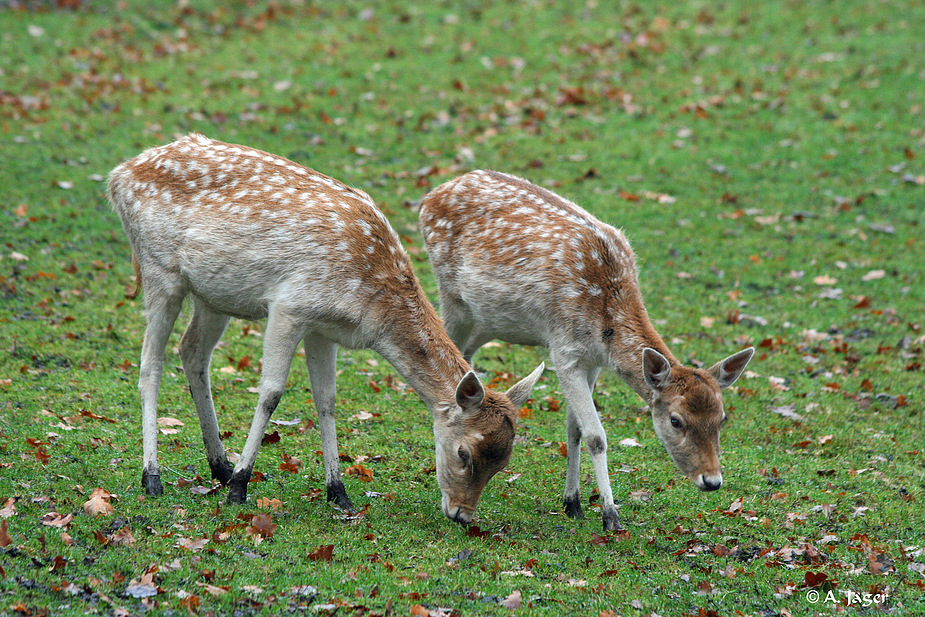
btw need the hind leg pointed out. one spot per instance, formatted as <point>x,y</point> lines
<point>161,310</point>
<point>196,347</point>
<point>321,360</point>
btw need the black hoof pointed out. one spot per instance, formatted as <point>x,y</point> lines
<point>222,471</point>
<point>338,495</point>
<point>152,483</point>
<point>573,507</point>
<point>611,521</point>
<point>237,487</point>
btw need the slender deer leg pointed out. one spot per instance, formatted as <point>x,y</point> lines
<point>574,383</point>
<point>572,499</point>
<point>196,347</point>
<point>456,321</point>
<point>161,311</point>
<point>475,342</point>
<point>280,341</point>
<point>321,360</point>
<point>592,377</point>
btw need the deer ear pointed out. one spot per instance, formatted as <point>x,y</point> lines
<point>656,369</point>
<point>469,392</point>
<point>727,371</point>
<point>520,391</point>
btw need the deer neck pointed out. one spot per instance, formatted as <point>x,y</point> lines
<point>415,343</point>
<point>630,338</point>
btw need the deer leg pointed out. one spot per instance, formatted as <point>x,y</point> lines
<point>196,347</point>
<point>592,378</point>
<point>572,499</point>
<point>321,360</point>
<point>473,344</point>
<point>457,322</point>
<point>280,341</point>
<point>161,309</point>
<point>574,382</point>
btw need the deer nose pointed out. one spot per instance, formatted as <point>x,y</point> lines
<point>710,483</point>
<point>458,515</point>
<point>462,518</point>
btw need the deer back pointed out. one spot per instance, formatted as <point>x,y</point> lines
<point>545,264</point>
<point>241,228</point>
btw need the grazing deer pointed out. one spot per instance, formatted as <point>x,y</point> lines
<point>518,263</point>
<point>251,235</point>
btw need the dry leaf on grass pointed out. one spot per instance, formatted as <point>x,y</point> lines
<point>99,503</point>
<point>513,601</point>
<point>56,519</point>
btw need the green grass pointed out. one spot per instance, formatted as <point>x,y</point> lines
<point>788,139</point>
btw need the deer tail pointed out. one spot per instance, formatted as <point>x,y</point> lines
<point>131,295</point>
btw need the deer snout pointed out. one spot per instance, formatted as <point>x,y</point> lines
<point>457,513</point>
<point>462,516</point>
<point>709,482</point>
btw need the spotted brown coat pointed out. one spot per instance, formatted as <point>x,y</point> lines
<point>252,235</point>
<point>519,263</point>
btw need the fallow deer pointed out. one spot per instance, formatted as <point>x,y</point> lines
<point>251,235</point>
<point>519,263</point>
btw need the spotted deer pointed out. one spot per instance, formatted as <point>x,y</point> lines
<point>519,263</point>
<point>251,235</point>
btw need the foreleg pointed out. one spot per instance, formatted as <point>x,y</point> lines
<point>583,422</point>
<point>280,341</point>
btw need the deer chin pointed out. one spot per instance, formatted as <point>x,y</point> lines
<point>705,481</point>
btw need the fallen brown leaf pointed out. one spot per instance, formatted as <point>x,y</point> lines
<point>123,537</point>
<point>5,539</point>
<point>261,525</point>
<point>192,545</point>
<point>265,502</point>
<point>99,503</point>
<point>214,590</point>
<point>9,508</point>
<point>58,564</point>
<point>513,601</point>
<point>322,553</point>
<point>54,519</point>
<point>364,474</point>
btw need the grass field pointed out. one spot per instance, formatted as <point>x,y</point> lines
<point>766,162</point>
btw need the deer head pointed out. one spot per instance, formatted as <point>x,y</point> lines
<point>474,438</point>
<point>687,411</point>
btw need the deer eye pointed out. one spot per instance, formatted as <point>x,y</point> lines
<point>676,422</point>
<point>463,455</point>
<point>608,332</point>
